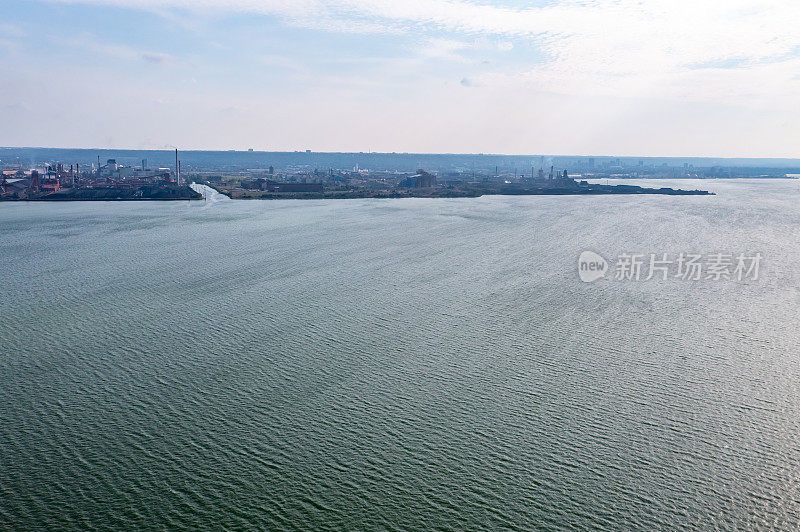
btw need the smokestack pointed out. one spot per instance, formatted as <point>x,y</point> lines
<point>177,168</point>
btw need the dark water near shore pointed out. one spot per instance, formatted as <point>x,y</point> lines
<point>405,364</point>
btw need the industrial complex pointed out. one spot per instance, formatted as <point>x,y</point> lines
<point>101,181</point>
<point>299,176</point>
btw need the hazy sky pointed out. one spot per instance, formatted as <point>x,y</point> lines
<point>617,77</point>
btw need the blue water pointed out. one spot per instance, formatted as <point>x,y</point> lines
<point>401,364</point>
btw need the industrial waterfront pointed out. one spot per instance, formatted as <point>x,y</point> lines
<point>39,174</point>
<point>54,181</point>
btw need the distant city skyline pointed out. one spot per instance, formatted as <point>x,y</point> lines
<point>624,78</point>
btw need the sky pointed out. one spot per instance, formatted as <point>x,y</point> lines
<point>574,77</point>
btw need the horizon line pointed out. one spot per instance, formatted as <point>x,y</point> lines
<point>475,154</point>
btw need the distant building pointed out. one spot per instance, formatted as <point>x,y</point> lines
<point>421,179</point>
<point>424,180</point>
<point>51,185</point>
<point>35,184</point>
<point>13,187</point>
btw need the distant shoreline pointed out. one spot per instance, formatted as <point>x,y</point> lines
<point>142,193</point>
<point>470,192</point>
<point>592,190</point>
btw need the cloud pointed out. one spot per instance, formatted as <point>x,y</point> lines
<point>447,49</point>
<point>458,50</point>
<point>16,106</point>
<point>285,63</point>
<point>9,30</point>
<point>88,43</point>
<point>10,38</point>
<point>612,59</point>
<point>615,35</point>
<point>151,57</point>
<point>8,45</point>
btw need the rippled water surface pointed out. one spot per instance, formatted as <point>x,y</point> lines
<point>405,364</point>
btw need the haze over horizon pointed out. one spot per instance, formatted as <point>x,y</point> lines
<point>624,77</point>
<point>547,156</point>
